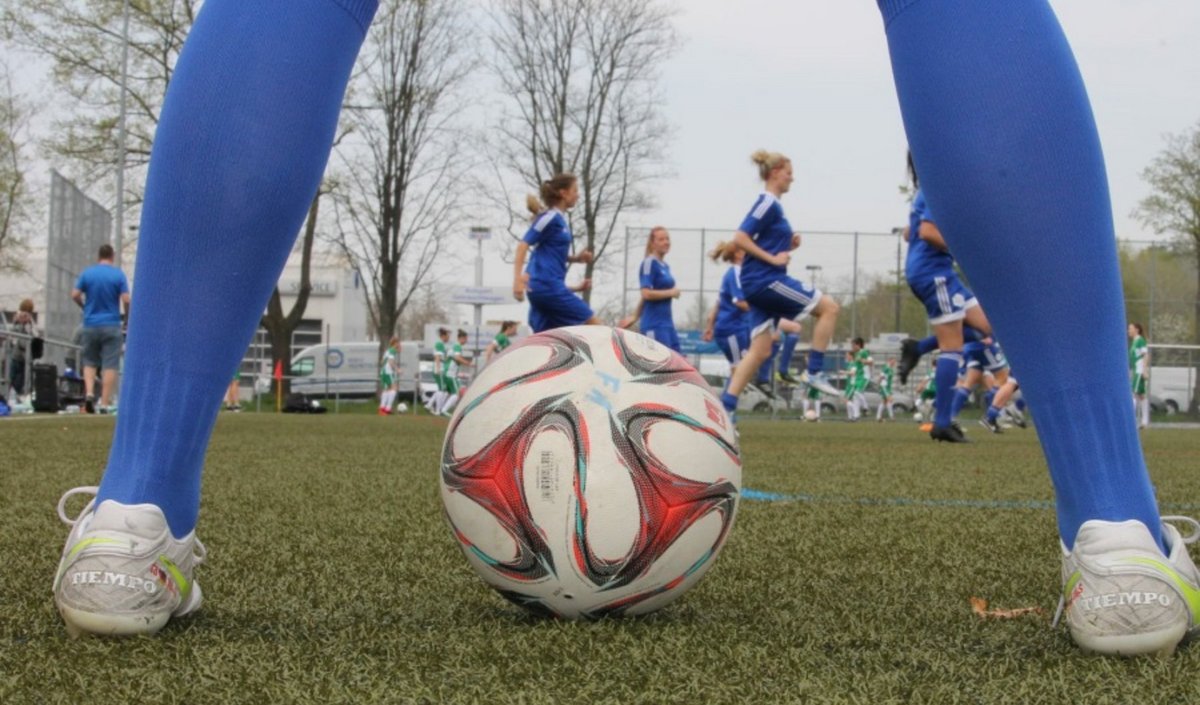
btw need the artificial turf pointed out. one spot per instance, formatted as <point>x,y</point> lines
<point>332,578</point>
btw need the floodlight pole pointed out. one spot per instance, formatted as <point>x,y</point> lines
<point>119,220</point>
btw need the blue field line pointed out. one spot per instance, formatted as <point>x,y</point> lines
<point>752,495</point>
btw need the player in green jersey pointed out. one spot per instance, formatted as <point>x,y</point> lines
<point>886,372</point>
<point>859,359</point>
<point>389,376</point>
<point>502,340</point>
<point>1139,366</point>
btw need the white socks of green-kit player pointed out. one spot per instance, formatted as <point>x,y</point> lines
<point>448,404</point>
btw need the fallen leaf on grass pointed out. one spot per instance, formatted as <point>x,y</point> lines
<point>980,607</point>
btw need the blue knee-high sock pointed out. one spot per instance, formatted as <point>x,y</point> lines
<point>764,371</point>
<point>1008,155</point>
<point>960,400</point>
<point>816,361</point>
<point>946,377</point>
<point>988,397</point>
<point>787,351</point>
<point>927,345</point>
<point>241,145</point>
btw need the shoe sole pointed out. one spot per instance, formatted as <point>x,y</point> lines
<point>80,623</point>
<point>1161,643</point>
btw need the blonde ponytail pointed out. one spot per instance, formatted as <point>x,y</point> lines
<point>533,204</point>
<point>724,251</point>
<point>767,162</point>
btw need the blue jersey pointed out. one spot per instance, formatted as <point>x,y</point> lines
<point>102,286</point>
<point>550,239</point>
<point>655,274</point>
<point>730,318</point>
<point>924,261</point>
<point>771,231</point>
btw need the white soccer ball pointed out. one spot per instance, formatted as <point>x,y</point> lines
<point>918,417</point>
<point>401,408</point>
<point>810,415</point>
<point>590,472</point>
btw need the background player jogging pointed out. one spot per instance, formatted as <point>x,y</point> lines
<point>768,240</point>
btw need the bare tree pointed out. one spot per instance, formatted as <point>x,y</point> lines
<point>281,326</point>
<point>1173,207</point>
<point>582,78</point>
<point>14,186</point>
<point>82,39</point>
<point>402,172</point>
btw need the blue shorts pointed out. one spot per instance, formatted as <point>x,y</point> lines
<point>783,298</point>
<point>945,298</point>
<point>556,307</point>
<point>101,347</point>
<point>978,356</point>
<point>733,343</point>
<point>665,334</point>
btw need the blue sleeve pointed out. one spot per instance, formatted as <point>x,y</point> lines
<point>542,226</point>
<point>758,218</point>
<point>648,273</point>
<point>79,281</point>
<point>124,283</point>
<point>921,209</point>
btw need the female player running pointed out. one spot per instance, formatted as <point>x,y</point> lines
<point>1139,363</point>
<point>929,269</point>
<point>551,303</point>
<point>728,325</point>
<point>768,240</point>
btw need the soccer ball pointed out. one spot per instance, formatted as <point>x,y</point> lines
<point>401,408</point>
<point>918,417</point>
<point>810,415</point>
<point>590,472</point>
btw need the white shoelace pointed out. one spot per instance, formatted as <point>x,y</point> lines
<point>199,552</point>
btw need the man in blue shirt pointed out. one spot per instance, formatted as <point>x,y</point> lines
<point>100,291</point>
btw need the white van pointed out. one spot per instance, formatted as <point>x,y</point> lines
<point>350,369</point>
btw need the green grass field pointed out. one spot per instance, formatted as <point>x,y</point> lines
<point>332,578</point>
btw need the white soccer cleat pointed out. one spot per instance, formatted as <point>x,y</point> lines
<point>1122,596</point>
<point>820,382</point>
<point>122,573</point>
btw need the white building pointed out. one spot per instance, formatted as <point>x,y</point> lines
<point>336,310</point>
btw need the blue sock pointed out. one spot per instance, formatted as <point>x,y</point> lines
<point>927,345</point>
<point>988,397</point>
<point>993,413</point>
<point>1020,404</point>
<point>729,401</point>
<point>816,361</point>
<point>961,394</point>
<point>1009,157</point>
<point>241,145</point>
<point>764,370</point>
<point>946,378</point>
<point>789,349</point>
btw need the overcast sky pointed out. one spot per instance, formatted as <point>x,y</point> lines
<point>812,79</point>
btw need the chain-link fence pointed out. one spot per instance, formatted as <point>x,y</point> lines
<point>864,272</point>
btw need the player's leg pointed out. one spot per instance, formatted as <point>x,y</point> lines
<point>1009,156</point>
<point>241,145</point>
